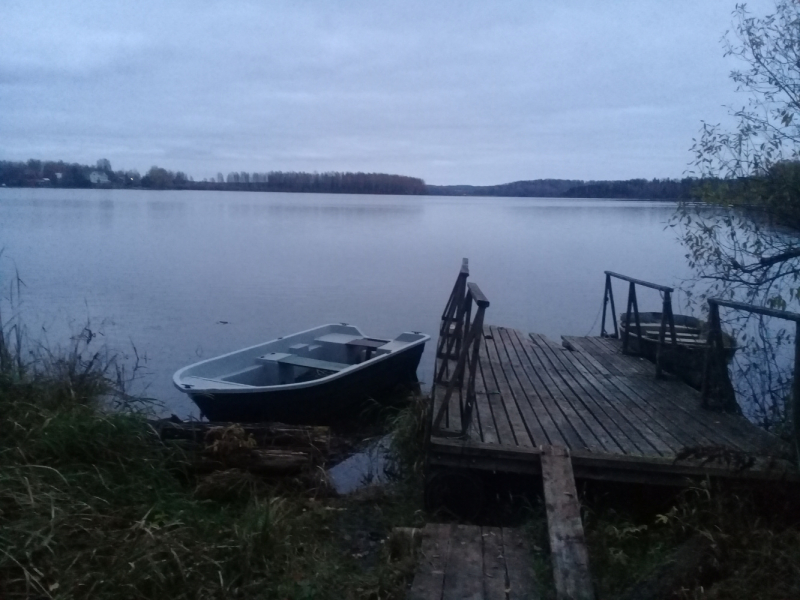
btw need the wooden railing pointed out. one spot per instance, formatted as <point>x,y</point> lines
<point>716,358</point>
<point>460,336</point>
<point>667,316</point>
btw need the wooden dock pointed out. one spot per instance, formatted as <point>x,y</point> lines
<point>500,395</point>
<point>460,562</point>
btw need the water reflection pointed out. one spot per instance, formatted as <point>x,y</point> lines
<point>165,267</point>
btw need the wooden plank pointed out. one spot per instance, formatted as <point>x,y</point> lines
<point>687,423</point>
<point>519,567</point>
<point>617,405</point>
<point>570,558</point>
<point>584,421</point>
<point>469,454</point>
<point>428,581</point>
<point>657,398</point>
<point>464,574</point>
<point>531,420</point>
<point>723,428</point>
<point>596,400</point>
<point>552,396</point>
<point>494,566</point>
<point>521,435</point>
<point>557,426</point>
<point>504,431</point>
<point>660,439</point>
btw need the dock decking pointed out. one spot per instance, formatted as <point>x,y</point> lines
<point>617,420</point>
<point>464,561</point>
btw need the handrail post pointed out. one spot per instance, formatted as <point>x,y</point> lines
<point>475,341</point>
<point>472,329</point>
<point>605,303</point>
<point>633,305</point>
<point>608,297</point>
<point>449,328</point>
<point>456,377</point>
<point>666,318</point>
<point>627,334</point>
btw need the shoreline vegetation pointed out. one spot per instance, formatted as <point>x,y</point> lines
<point>97,502</point>
<point>58,174</point>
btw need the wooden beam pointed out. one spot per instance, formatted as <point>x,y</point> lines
<point>464,579</point>
<point>429,579</point>
<point>567,544</point>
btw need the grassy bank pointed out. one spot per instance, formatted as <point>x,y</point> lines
<point>94,505</point>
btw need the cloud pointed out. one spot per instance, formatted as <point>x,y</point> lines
<point>455,92</point>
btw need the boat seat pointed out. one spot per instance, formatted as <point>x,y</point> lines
<point>282,358</point>
<point>338,338</point>
<point>312,363</point>
<point>202,382</point>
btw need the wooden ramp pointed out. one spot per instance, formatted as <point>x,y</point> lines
<point>465,562</point>
<point>617,420</point>
<point>567,544</point>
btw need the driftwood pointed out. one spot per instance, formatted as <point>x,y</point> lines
<point>257,461</point>
<point>264,449</point>
<point>264,434</point>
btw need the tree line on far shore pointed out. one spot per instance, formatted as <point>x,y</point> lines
<point>37,173</point>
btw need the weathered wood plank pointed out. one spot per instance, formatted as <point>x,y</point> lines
<point>553,375</point>
<point>494,396</point>
<point>596,399</point>
<point>521,435</point>
<point>532,421</point>
<point>567,544</point>
<point>605,467</point>
<point>531,365</point>
<point>494,565</point>
<point>557,426</point>
<point>656,399</point>
<point>519,568</point>
<point>464,572</point>
<point>428,581</point>
<point>617,406</point>
<point>632,409</point>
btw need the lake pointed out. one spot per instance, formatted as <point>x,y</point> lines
<point>188,275</point>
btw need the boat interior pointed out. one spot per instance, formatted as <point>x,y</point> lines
<point>688,330</point>
<point>297,358</point>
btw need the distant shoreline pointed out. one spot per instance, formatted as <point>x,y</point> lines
<point>52,174</point>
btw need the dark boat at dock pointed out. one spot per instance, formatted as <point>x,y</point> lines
<point>686,357</point>
<point>309,377</point>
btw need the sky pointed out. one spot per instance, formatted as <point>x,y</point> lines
<point>452,91</point>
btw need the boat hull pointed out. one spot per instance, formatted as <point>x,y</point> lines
<point>316,404</point>
<point>683,360</point>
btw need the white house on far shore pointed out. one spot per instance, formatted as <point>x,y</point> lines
<point>98,178</point>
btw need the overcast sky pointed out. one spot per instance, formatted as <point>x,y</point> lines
<point>476,92</point>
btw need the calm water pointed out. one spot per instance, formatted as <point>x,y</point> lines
<point>163,270</point>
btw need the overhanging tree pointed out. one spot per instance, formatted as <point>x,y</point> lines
<point>744,240</point>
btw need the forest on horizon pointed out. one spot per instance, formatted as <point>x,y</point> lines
<point>37,173</point>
